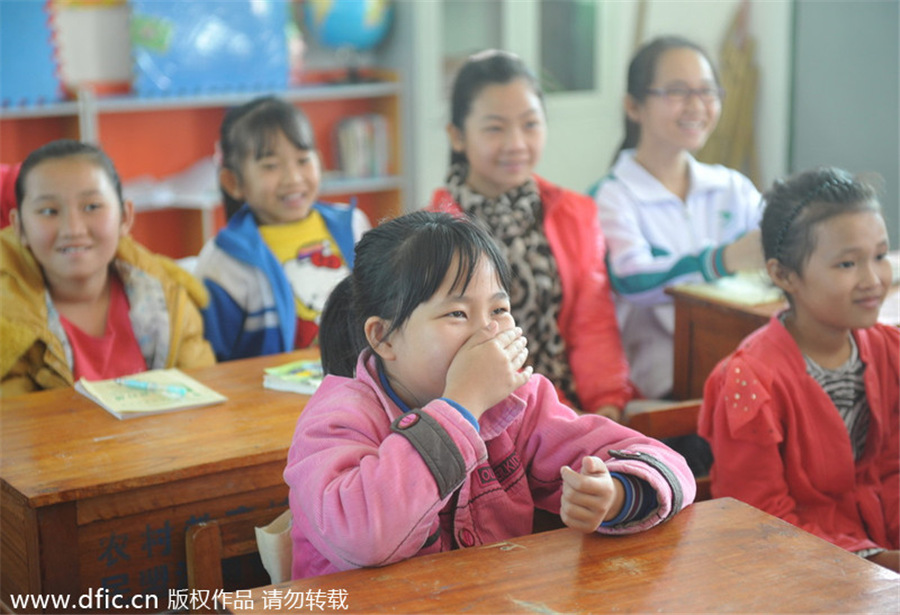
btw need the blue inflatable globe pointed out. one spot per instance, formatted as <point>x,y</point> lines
<point>359,24</point>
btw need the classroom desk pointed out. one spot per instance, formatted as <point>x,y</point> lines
<point>89,501</point>
<point>707,330</point>
<point>718,555</point>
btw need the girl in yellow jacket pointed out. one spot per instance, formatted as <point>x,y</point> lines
<point>78,297</point>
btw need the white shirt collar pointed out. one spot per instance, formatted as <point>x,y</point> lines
<point>646,188</point>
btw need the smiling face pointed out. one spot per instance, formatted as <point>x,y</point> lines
<point>502,137</point>
<point>670,125</point>
<point>846,277</point>
<point>418,355</point>
<point>71,219</point>
<point>280,186</point>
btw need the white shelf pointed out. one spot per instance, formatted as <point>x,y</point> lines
<point>347,185</point>
<point>88,105</point>
<point>63,109</point>
<point>342,91</point>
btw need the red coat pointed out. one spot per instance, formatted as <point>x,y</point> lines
<point>780,445</point>
<point>587,315</point>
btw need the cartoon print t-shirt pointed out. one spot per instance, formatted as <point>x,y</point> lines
<point>312,263</point>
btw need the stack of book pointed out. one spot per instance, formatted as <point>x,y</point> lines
<point>361,143</point>
<point>303,376</point>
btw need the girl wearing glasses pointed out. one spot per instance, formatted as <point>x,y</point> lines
<point>667,218</point>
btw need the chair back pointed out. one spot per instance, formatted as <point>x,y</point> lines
<point>209,543</point>
<point>671,421</point>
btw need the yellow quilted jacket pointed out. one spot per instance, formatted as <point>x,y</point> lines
<point>34,351</point>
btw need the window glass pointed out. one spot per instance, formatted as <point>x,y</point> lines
<point>567,34</point>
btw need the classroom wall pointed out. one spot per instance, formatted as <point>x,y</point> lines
<point>847,93</point>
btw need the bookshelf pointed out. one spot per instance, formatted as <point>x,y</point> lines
<point>164,136</point>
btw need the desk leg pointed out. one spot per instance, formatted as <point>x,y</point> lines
<point>683,351</point>
<point>39,551</point>
<point>58,531</point>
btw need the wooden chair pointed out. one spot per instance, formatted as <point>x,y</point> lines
<point>670,421</point>
<point>209,543</point>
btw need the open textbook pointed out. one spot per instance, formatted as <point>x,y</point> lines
<point>745,287</point>
<point>150,392</point>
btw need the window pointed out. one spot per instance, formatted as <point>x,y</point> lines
<point>568,42</point>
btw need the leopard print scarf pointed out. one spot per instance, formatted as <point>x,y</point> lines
<point>516,221</point>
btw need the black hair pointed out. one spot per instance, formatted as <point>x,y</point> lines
<point>399,265</point>
<point>248,130</point>
<point>642,72</point>
<point>65,148</point>
<point>794,206</point>
<point>480,70</point>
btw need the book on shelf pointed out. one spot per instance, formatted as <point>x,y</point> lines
<point>362,145</point>
<point>302,376</point>
<point>151,392</point>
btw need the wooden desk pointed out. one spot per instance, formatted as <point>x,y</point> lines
<point>718,555</point>
<point>89,501</point>
<point>706,331</point>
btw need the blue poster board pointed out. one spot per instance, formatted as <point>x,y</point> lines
<point>193,48</point>
<point>28,67</point>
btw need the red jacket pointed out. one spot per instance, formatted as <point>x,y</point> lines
<point>587,315</point>
<point>780,445</point>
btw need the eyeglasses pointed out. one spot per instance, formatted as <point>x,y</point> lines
<point>682,95</point>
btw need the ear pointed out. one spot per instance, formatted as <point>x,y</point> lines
<point>375,329</point>
<point>127,217</point>
<point>781,276</point>
<point>632,109</point>
<point>16,223</point>
<point>229,181</point>
<point>457,139</point>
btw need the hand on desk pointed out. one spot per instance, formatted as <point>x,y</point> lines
<point>744,253</point>
<point>589,497</point>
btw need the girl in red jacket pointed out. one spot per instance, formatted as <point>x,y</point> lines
<point>803,417</point>
<point>560,291</point>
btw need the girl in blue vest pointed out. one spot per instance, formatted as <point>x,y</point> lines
<point>270,270</point>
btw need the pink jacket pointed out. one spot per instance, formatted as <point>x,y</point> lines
<point>780,444</point>
<point>361,494</point>
<point>587,314</point>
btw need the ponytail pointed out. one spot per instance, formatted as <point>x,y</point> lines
<point>341,336</point>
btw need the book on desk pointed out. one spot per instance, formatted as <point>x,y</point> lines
<point>744,287</point>
<point>151,392</point>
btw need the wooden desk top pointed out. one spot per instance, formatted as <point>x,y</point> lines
<point>60,446</point>
<point>692,294</point>
<point>718,555</point>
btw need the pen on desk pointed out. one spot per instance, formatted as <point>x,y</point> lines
<point>306,373</point>
<point>170,390</point>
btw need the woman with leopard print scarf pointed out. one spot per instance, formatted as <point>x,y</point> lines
<point>560,293</point>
